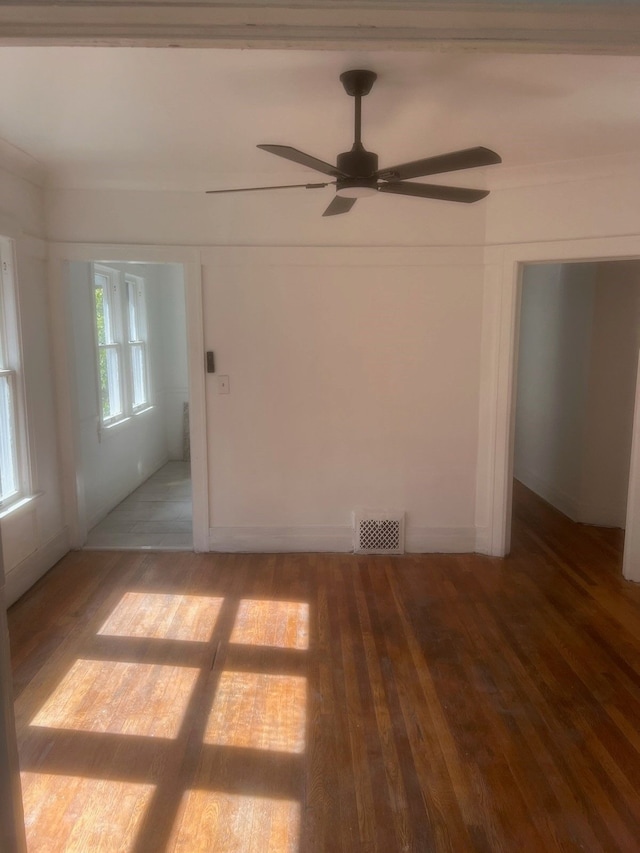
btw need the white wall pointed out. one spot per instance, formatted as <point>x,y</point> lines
<point>116,460</point>
<point>556,319</point>
<point>353,380</point>
<point>291,218</point>
<point>564,202</point>
<point>172,377</point>
<point>612,387</point>
<point>35,536</point>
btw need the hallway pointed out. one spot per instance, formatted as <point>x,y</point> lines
<point>156,516</point>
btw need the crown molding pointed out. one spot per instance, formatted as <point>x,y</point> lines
<point>564,27</point>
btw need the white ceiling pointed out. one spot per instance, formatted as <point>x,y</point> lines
<point>191,118</point>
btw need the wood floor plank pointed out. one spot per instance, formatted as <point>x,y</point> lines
<point>312,703</point>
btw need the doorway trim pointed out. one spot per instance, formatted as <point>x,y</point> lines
<point>60,256</point>
<point>498,366</point>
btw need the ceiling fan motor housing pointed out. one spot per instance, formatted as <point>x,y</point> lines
<point>361,167</point>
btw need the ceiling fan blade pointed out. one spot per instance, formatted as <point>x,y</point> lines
<point>468,158</point>
<point>303,159</point>
<point>462,194</point>
<point>340,204</point>
<point>280,187</point>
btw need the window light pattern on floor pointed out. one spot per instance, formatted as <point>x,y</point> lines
<point>120,698</point>
<point>283,624</point>
<point>167,673</point>
<point>163,617</point>
<point>214,821</point>
<point>99,812</point>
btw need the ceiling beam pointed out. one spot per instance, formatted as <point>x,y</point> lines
<point>564,27</point>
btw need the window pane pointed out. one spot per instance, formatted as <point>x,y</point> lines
<point>138,375</point>
<point>109,359</point>
<point>103,326</point>
<point>134,324</point>
<point>8,455</point>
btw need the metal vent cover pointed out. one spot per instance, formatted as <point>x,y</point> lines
<point>378,531</point>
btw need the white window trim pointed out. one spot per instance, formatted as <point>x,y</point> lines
<point>11,358</point>
<point>141,317</point>
<point>120,321</point>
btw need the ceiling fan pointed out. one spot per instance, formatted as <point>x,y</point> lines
<point>356,172</point>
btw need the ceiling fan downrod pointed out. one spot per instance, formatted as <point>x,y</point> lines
<point>358,164</point>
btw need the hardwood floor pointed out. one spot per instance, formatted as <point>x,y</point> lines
<point>297,703</point>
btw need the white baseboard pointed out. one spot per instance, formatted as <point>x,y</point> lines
<point>280,539</point>
<point>113,500</point>
<point>567,504</point>
<point>482,541</point>
<point>32,568</point>
<point>440,540</point>
<point>339,539</point>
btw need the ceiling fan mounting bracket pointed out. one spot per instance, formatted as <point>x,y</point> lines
<point>358,82</point>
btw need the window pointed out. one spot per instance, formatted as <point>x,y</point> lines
<point>121,337</point>
<point>137,341</point>
<point>12,465</point>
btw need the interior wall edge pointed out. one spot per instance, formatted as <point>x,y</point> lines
<point>25,574</point>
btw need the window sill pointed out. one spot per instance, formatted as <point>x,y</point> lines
<point>19,505</point>
<point>106,429</point>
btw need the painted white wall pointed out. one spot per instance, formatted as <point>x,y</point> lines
<point>353,378</point>
<point>556,319</point>
<point>563,201</point>
<point>117,459</point>
<point>172,378</point>
<point>612,387</point>
<point>35,536</point>
<point>257,219</point>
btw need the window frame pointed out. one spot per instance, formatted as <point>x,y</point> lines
<point>136,283</point>
<point>11,370</point>
<point>120,340</point>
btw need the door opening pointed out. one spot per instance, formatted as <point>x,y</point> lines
<point>577,364</point>
<point>129,337</point>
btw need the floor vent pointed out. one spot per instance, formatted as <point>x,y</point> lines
<point>378,532</point>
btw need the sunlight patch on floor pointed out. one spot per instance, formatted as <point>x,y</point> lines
<point>83,814</point>
<point>283,624</point>
<point>120,698</point>
<point>228,823</point>
<point>259,711</point>
<point>164,616</point>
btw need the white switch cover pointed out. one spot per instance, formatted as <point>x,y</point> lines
<point>223,384</point>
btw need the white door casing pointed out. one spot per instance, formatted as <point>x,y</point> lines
<point>503,274</point>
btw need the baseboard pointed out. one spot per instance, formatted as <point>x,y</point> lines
<point>428,540</point>
<point>112,502</point>
<point>482,543</point>
<point>280,539</point>
<point>551,494</point>
<point>440,540</point>
<point>32,568</point>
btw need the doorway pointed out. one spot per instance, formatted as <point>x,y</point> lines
<point>503,276</point>
<point>576,380</point>
<point>130,348</point>
<point>131,406</point>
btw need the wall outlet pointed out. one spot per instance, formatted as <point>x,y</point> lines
<point>223,384</point>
